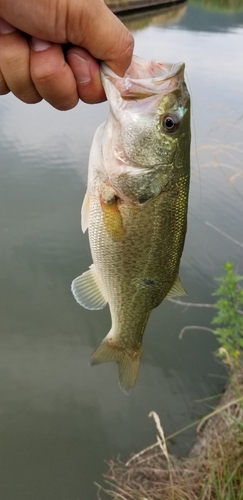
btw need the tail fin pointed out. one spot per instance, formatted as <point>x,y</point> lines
<point>128,361</point>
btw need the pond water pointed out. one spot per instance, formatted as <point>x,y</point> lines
<point>60,419</point>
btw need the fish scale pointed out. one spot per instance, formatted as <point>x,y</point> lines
<point>135,207</point>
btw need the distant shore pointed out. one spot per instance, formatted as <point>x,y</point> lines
<point>131,5</point>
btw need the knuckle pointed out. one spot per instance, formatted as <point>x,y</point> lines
<point>4,90</point>
<point>66,107</point>
<point>3,86</point>
<point>47,68</point>
<point>130,41</point>
<point>128,44</point>
<point>30,97</point>
<point>54,80</point>
<point>64,104</point>
<point>20,84</point>
<point>92,96</point>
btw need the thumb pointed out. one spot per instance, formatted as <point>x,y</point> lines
<point>101,33</point>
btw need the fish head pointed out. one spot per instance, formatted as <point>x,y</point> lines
<point>149,115</point>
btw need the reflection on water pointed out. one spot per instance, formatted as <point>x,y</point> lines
<point>59,418</point>
<point>141,19</point>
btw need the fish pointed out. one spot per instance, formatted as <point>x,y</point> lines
<point>135,207</point>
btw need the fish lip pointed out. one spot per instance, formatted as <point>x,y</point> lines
<point>143,79</point>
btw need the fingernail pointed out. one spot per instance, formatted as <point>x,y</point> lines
<point>38,45</point>
<point>6,28</point>
<point>80,68</point>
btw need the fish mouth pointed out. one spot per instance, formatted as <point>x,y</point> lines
<point>145,78</point>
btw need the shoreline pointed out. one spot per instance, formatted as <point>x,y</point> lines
<point>216,422</point>
<point>126,6</point>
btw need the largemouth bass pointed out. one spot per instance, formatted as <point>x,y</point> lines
<point>135,207</point>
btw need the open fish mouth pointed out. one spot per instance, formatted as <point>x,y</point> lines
<point>145,78</point>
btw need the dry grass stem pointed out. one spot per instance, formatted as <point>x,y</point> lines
<point>224,234</point>
<point>194,327</point>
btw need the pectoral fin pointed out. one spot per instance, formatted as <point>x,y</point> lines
<point>177,289</point>
<point>87,290</point>
<point>112,217</point>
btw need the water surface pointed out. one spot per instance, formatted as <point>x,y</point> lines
<point>59,418</point>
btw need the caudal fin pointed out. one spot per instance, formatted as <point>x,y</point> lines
<point>128,361</point>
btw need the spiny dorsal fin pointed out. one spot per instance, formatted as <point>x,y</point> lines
<point>128,361</point>
<point>87,290</point>
<point>85,213</point>
<point>177,289</point>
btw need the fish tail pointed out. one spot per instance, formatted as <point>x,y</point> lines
<point>128,360</point>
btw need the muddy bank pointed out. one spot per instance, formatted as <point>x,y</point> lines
<point>221,419</point>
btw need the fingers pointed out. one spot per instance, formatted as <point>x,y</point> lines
<point>14,65</point>
<point>61,83</point>
<point>39,71</point>
<point>52,76</point>
<point>36,72</point>
<point>84,23</point>
<point>42,71</point>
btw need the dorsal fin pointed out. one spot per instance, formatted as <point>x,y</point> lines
<point>85,212</point>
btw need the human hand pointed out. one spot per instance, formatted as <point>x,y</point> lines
<point>50,49</point>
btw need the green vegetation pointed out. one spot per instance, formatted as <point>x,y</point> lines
<point>214,469</point>
<point>229,6</point>
<point>229,317</point>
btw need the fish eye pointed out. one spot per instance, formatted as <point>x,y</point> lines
<point>170,122</point>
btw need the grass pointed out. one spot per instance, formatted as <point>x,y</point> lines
<point>213,471</point>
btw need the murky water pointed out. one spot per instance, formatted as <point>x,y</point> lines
<point>59,418</point>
